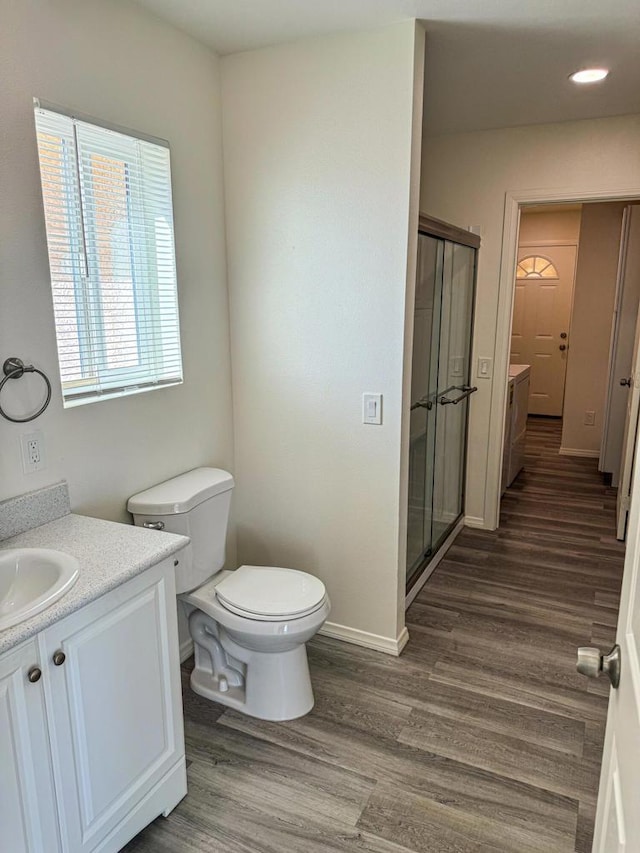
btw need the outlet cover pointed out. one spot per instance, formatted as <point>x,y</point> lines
<point>33,452</point>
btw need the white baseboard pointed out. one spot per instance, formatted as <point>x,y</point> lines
<point>363,638</point>
<point>475,521</point>
<point>338,632</point>
<point>186,649</point>
<point>576,451</point>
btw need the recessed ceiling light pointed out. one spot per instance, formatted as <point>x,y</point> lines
<point>589,75</point>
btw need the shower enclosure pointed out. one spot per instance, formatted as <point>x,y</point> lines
<point>440,389</point>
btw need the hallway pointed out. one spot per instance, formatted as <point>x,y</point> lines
<point>480,737</point>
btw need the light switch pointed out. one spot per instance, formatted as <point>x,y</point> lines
<point>372,408</point>
<point>485,368</point>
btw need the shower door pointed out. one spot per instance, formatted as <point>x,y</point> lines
<point>440,391</point>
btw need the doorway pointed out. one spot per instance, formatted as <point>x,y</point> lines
<point>515,204</point>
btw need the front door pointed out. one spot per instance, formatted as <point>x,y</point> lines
<point>541,318</point>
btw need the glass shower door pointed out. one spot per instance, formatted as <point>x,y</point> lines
<point>424,389</point>
<point>454,389</point>
<point>440,391</point>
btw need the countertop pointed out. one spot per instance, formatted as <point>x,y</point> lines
<point>109,554</point>
<point>517,370</point>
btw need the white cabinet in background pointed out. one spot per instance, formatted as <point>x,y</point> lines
<point>105,722</point>
<point>516,415</point>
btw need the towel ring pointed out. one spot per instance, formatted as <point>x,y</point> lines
<point>15,368</point>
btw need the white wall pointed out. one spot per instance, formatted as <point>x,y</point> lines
<point>318,140</point>
<point>465,179</point>
<point>591,321</point>
<point>118,62</point>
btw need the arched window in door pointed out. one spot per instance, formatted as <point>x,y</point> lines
<point>536,266</point>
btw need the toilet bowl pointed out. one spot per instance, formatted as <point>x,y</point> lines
<point>249,626</point>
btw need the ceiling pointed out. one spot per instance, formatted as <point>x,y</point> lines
<point>490,63</point>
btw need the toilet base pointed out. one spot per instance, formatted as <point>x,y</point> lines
<point>277,685</point>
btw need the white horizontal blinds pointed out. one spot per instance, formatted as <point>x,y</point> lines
<point>109,222</point>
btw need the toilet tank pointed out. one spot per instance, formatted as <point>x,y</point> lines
<point>197,505</point>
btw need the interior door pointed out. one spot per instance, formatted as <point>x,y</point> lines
<point>617,827</point>
<point>541,317</point>
<point>622,342</point>
<point>630,437</point>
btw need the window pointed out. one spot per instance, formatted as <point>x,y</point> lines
<point>109,221</point>
<point>536,266</point>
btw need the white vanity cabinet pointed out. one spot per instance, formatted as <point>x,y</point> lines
<point>94,749</point>
<point>28,820</point>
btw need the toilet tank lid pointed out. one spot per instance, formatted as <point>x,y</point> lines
<point>182,493</point>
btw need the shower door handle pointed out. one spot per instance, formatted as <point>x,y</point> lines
<point>422,404</point>
<point>467,391</point>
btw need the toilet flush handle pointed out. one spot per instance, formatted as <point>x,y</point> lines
<point>153,525</point>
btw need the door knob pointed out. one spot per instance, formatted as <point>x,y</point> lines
<point>628,382</point>
<point>591,663</point>
<point>562,347</point>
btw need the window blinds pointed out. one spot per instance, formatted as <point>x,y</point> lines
<point>109,222</point>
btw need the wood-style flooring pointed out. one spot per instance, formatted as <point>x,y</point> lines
<point>480,737</point>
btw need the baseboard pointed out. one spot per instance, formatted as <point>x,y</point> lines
<point>475,521</point>
<point>186,649</point>
<point>363,638</point>
<point>576,451</point>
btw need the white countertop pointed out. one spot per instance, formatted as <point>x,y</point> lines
<point>109,554</point>
<point>517,370</point>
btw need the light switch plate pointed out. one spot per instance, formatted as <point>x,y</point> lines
<point>371,408</point>
<point>485,368</point>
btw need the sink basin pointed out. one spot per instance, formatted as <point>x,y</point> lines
<point>32,579</point>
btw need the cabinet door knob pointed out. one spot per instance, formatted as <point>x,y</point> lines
<point>34,674</point>
<point>59,657</point>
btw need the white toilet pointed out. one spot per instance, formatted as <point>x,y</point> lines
<point>249,627</point>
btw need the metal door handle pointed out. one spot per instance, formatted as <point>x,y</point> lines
<point>628,382</point>
<point>591,663</point>
<point>153,525</point>
<point>422,404</point>
<point>467,391</point>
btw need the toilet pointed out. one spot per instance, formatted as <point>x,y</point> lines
<point>249,626</point>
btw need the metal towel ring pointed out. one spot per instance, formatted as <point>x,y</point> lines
<point>15,368</point>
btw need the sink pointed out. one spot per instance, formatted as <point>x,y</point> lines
<point>32,579</point>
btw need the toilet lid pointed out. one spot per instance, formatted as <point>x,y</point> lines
<point>270,592</point>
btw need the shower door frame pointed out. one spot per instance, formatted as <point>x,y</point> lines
<point>431,227</point>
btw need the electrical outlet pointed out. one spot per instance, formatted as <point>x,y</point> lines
<point>33,455</point>
<point>589,418</point>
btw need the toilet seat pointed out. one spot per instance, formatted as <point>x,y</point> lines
<point>270,593</point>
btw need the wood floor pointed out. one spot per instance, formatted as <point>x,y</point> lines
<point>481,737</point>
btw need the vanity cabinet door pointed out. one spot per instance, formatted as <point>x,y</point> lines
<point>114,705</point>
<point>28,822</point>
